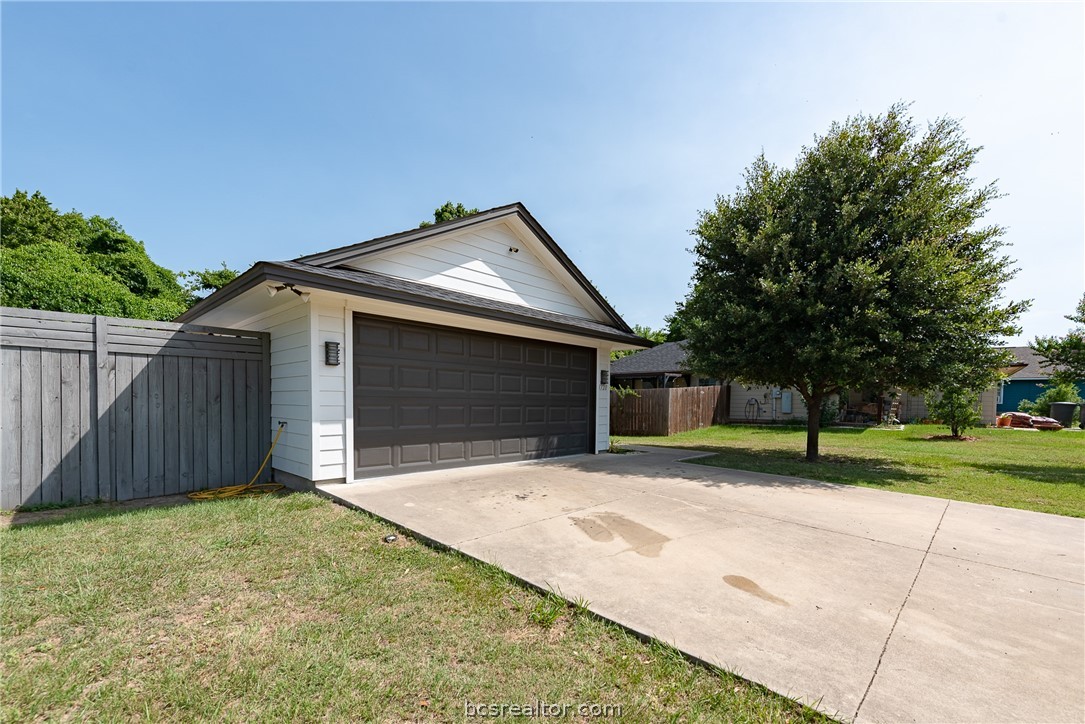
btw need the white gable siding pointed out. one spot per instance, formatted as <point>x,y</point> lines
<point>290,385</point>
<point>330,398</point>
<point>479,262</point>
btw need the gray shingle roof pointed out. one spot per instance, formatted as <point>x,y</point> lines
<point>667,357</point>
<point>1032,369</point>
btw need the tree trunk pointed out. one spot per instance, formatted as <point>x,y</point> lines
<point>813,427</point>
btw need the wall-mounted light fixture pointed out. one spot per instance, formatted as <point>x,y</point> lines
<point>331,353</point>
<point>273,289</point>
<point>604,378</point>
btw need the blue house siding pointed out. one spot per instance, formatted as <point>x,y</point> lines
<point>1013,391</point>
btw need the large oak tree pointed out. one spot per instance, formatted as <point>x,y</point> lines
<point>865,264</point>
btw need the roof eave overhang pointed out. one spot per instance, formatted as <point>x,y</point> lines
<point>263,272</point>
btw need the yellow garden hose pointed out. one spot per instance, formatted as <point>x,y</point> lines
<point>249,489</point>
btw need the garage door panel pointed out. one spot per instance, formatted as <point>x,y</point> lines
<point>482,350</point>
<point>482,449</point>
<point>428,396</point>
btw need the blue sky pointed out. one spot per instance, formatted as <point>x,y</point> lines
<point>248,131</point>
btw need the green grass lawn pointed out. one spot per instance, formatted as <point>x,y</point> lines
<point>1031,470</point>
<point>292,608</point>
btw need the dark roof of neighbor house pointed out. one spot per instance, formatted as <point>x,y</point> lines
<point>661,359</point>
<point>335,257</point>
<point>1031,365</point>
<point>382,286</point>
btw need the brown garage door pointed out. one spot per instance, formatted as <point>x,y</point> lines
<point>434,397</point>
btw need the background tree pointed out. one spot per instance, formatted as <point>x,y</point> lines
<point>654,335</point>
<point>71,263</point>
<point>1065,356</point>
<point>864,265</point>
<point>199,283</point>
<point>955,401</point>
<point>447,212</point>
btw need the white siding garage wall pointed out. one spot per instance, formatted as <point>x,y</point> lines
<point>602,403</point>
<point>288,326</point>
<point>330,399</point>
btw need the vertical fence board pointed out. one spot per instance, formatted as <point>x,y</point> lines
<point>30,419</point>
<point>186,421</point>
<point>122,423</point>
<point>155,417</point>
<point>171,431</point>
<point>213,429</point>
<point>88,429</point>
<point>105,372</point>
<point>11,443</point>
<point>199,423</point>
<point>226,421</point>
<point>50,425</point>
<point>254,431</point>
<point>240,422</point>
<point>141,468</point>
<point>69,425</point>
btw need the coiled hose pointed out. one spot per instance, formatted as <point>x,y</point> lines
<point>249,489</point>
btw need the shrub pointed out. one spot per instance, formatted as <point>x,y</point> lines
<point>956,407</point>
<point>1054,392</point>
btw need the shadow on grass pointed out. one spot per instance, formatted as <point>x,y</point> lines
<point>789,465</point>
<point>75,513</point>
<point>1052,474</point>
<point>830,468</point>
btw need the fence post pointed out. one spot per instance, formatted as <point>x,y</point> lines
<point>102,403</point>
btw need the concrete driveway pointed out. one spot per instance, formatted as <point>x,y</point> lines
<point>868,605</point>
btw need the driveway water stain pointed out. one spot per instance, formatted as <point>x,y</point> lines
<point>593,529</point>
<point>745,584</point>
<point>602,527</point>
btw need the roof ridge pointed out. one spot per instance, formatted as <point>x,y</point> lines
<point>404,232</point>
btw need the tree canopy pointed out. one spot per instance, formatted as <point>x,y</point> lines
<point>865,264</point>
<point>447,212</point>
<point>641,330</point>
<point>67,262</point>
<point>1065,356</point>
<point>198,283</point>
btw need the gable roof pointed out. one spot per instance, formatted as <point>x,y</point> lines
<point>661,359</point>
<point>381,286</point>
<point>334,258</point>
<point>1029,365</point>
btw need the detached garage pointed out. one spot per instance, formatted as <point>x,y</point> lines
<point>464,343</point>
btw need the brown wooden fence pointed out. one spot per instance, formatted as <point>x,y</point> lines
<point>667,411</point>
<point>115,409</point>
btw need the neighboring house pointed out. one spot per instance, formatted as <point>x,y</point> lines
<point>660,366</point>
<point>665,366</point>
<point>471,341</point>
<point>1027,379</point>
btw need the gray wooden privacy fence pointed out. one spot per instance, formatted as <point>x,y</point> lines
<point>116,409</point>
<point>667,411</point>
